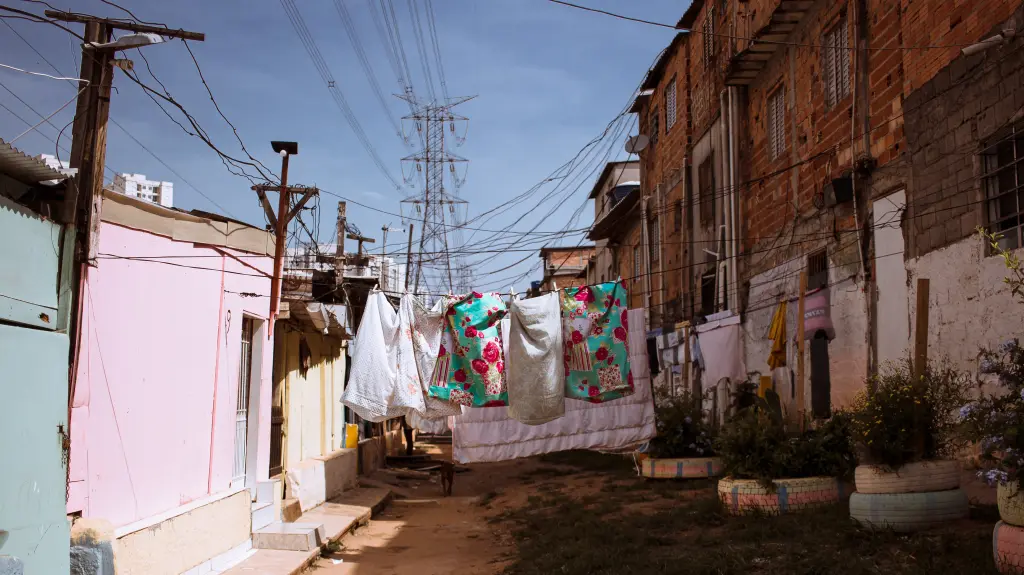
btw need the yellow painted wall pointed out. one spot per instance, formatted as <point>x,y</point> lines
<point>313,410</point>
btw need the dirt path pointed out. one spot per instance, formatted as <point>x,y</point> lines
<point>431,534</point>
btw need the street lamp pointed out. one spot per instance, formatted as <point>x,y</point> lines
<point>126,42</point>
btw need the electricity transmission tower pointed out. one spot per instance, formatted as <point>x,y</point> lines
<point>438,208</point>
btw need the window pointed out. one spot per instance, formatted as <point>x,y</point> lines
<point>776,123</point>
<point>654,127</point>
<point>670,105</point>
<point>654,235</point>
<point>637,268</point>
<point>706,185</point>
<point>1003,181</point>
<point>817,270</point>
<point>707,293</point>
<point>708,38</point>
<point>835,65</point>
<point>242,399</point>
<point>678,211</point>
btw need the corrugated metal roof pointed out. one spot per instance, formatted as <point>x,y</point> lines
<point>24,168</point>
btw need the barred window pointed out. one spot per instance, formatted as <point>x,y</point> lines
<point>835,65</point>
<point>777,124</point>
<point>637,268</point>
<point>670,105</point>
<point>708,33</point>
<point>654,235</point>
<point>1003,182</point>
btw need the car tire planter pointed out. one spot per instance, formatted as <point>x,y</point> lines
<point>906,512</point>
<point>688,468</point>
<point>1011,503</point>
<point>1008,548</point>
<point>741,496</point>
<point>918,477</point>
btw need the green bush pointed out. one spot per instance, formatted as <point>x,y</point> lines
<point>884,415</point>
<point>682,427</point>
<point>758,444</point>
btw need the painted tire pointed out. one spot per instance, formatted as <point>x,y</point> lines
<point>742,496</point>
<point>919,477</point>
<point>690,468</point>
<point>908,511</point>
<point>1008,548</point>
<point>1011,503</point>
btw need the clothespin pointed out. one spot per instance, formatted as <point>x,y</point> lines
<point>511,294</point>
<point>554,285</point>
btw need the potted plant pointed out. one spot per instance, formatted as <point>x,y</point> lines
<point>996,422</point>
<point>684,445</point>
<point>907,432</point>
<point>773,467</point>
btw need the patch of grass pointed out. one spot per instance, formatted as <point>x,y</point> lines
<point>688,531</point>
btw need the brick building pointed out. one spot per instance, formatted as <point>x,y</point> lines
<point>616,233</point>
<point>850,140</point>
<point>565,266</point>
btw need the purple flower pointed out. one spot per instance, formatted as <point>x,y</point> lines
<point>994,476</point>
<point>1008,346</point>
<point>966,410</point>
<point>987,366</point>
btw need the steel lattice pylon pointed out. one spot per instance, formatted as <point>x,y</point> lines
<point>438,209</point>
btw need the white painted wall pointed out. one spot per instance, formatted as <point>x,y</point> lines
<point>969,305</point>
<point>847,353</point>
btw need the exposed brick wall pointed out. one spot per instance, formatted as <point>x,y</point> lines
<point>948,120</point>
<point>945,23</point>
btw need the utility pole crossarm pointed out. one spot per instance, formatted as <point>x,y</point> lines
<point>267,208</point>
<point>309,193</point>
<point>122,25</point>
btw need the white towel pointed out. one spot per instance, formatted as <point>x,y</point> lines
<point>489,434</point>
<point>427,329</point>
<point>535,366</point>
<point>383,382</point>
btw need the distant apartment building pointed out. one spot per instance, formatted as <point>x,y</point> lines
<point>58,164</point>
<point>137,186</point>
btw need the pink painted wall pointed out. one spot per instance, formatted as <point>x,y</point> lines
<point>158,352</point>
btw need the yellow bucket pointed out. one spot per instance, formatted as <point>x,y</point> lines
<point>351,435</point>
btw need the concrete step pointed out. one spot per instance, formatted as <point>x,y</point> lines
<point>291,510</point>
<point>264,514</point>
<point>266,490</point>
<point>338,517</point>
<point>290,536</point>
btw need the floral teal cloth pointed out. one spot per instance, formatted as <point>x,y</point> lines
<point>596,353</point>
<point>471,364</point>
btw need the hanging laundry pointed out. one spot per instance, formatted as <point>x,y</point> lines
<point>482,435</point>
<point>427,329</point>
<point>383,380</point>
<point>594,332</point>
<point>536,375</point>
<point>652,356</point>
<point>475,362</point>
<point>696,356</point>
<point>777,333</point>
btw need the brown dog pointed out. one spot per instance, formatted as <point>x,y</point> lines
<point>447,477</point>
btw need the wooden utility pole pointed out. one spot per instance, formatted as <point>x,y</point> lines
<point>408,258</point>
<point>339,252</point>
<point>800,402</point>
<point>279,221</point>
<point>84,196</point>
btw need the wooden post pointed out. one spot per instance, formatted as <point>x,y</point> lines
<point>408,258</point>
<point>921,331</point>
<point>339,251</point>
<point>920,359</point>
<point>800,402</point>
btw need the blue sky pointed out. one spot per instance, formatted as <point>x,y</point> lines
<point>548,78</point>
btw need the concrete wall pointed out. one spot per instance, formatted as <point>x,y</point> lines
<point>970,307</point>
<point>154,409</point>
<point>184,541</point>
<point>33,388</point>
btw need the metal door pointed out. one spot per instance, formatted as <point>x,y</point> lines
<point>242,406</point>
